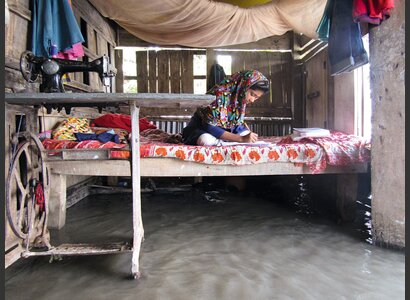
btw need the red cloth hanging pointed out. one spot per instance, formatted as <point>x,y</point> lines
<point>372,11</point>
<point>39,194</point>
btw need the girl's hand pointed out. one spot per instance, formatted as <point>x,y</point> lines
<point>250,138</point>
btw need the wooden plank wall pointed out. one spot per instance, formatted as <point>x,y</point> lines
<point>164,71</point>
<point>17,40</point>
<point>318,113</point>
<point>171,71</point>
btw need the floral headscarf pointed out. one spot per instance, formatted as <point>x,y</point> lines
<point>228,109</point>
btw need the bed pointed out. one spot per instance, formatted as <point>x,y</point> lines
<point>338,154</point>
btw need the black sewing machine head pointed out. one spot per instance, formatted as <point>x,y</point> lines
<point>52,69</point>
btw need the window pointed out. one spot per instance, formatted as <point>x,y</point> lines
<point>129,66</point>
<point>362,99</point>
<point>199,74</point>
<point>162,82</point>
<point>130,86</point>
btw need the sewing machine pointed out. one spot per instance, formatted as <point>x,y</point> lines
<point>52,70</point>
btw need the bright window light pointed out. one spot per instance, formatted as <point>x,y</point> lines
<point>130,86</point>
<point>226,62</point>
<point>200,86</point>
<point>129,64</point>
<point>363,107</point>
<point>199,65</point>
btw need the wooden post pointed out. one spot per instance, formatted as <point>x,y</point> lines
<point>119,78</point>
<point>136,191</point>
<point>142,71</point>
<point>347,187</point>
<point>57,201</point>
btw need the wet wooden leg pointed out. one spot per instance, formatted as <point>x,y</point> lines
<point>347,188</point>
<point>57,201</point>
<point>136,192</point>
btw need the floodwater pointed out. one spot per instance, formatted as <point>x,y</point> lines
<point>210,245</point>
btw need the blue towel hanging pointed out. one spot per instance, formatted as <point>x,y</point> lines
<point>55,27</point>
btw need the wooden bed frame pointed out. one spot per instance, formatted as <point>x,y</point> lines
<point>153,167</point>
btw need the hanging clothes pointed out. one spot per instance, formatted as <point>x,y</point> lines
<point>55,29</point>
<point>76,51</point>
<point>216,75</point>
<point>346,50</point>
<point>372,11</point>
<point>323,28</point>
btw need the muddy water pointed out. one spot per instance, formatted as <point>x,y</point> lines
<point>210,246</point>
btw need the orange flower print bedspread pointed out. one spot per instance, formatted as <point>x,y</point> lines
<point>338,150</point>
<point>309,154</point>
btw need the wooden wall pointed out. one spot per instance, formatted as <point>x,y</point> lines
<point>171,71</point>
<point>344,103</point>
<point>100,36</point>
<point>318,94</point>
<point>164,71</point>
<point>17,40</point>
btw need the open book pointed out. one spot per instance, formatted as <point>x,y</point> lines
<point>299,133</point>
<point>257,143</point>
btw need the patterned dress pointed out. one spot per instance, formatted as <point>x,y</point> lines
<point>227,111</point>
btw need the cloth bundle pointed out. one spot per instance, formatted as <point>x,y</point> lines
<point>55,30</point>
<point>107,128</point>
<point>67,129</point>
<point>372,11</point>
<point>102,137</point>
<point>337,27</point>
<point>346,49</point>
<point>78,129</point>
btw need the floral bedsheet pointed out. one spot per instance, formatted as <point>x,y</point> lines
<point>300,153</point>
<point>338,150</point>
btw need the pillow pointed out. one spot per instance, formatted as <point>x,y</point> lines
<point>67,128</point>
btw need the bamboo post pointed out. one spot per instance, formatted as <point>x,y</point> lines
<point>138,229</point>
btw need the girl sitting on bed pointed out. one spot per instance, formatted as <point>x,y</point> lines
<point>223,119</point>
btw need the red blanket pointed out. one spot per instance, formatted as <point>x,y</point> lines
<point>121,121</point>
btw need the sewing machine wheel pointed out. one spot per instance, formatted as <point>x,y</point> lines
<point>27,190</point>
<point>27,67</point>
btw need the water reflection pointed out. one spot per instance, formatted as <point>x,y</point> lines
<point>218,245</point>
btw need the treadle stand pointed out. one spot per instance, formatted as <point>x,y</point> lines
<point>75,99</point>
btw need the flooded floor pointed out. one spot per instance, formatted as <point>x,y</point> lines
<point>210,245</point>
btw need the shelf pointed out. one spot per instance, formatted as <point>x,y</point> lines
<point>140,99</point>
